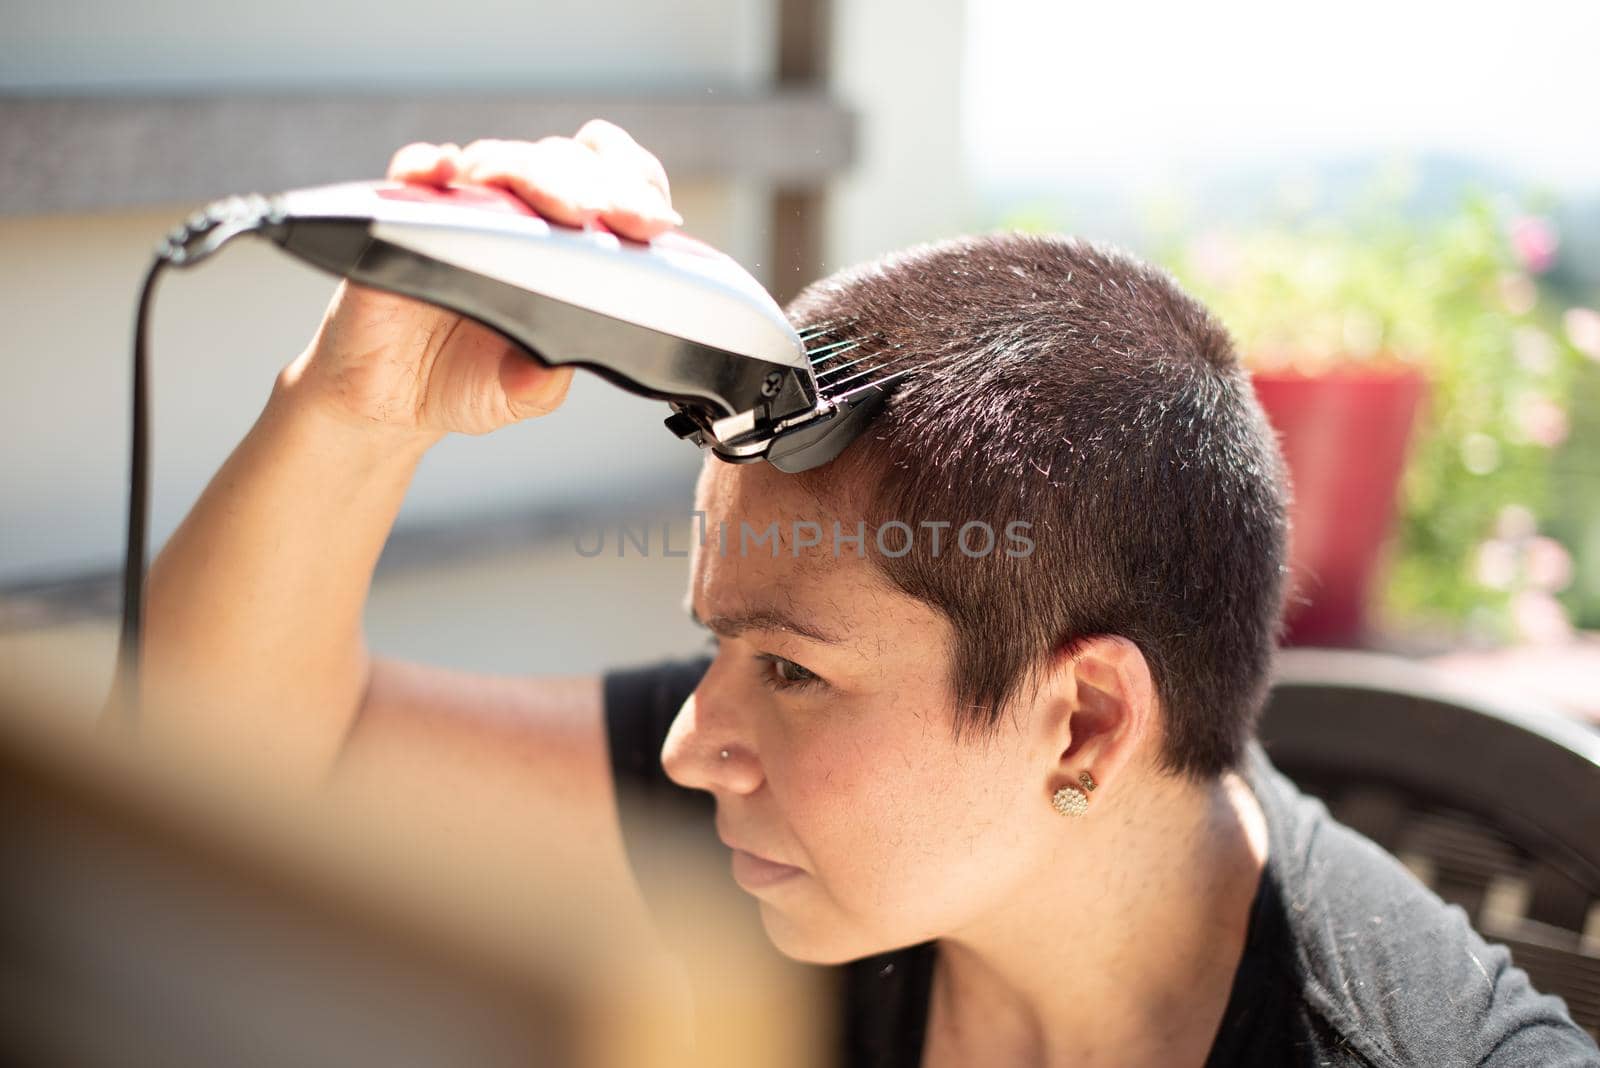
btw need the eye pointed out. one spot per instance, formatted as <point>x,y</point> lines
<point>778,673</point>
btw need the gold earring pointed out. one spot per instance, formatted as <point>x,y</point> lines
<point>1071,801</point>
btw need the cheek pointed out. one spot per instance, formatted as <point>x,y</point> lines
<point>901,827</point>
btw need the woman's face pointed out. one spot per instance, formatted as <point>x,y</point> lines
<point>840,757</point>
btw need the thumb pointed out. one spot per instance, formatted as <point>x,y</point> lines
<point>531,388</point>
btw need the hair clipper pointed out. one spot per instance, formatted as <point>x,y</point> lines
<point>671,318</point>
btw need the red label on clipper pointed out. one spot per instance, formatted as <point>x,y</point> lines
<point>474,196</point>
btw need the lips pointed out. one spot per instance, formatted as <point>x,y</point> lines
<point>729,841</point>
<point>755,874</point>
<point>753,871</point>
<point>754,855</point>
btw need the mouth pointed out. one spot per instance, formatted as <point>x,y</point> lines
<point>757,873</point>
<point>754,871</point>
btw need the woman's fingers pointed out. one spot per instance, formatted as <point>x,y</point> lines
<point>614,144</point>
<point>557,177</point>
<point>641,199</point>
<point>601,174</point>
<point>426,163</point>
<point>639,218</point>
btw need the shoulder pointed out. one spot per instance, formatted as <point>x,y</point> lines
<point>1392,969</point>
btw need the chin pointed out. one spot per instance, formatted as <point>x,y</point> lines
<point>818,942</point>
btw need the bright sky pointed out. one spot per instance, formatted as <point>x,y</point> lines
<point>1141,90</point>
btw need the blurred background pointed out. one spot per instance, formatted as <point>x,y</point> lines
<point>1396,211</point>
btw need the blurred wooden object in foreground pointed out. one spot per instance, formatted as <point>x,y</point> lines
<point>154,914</point>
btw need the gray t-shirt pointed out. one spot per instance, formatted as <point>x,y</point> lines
<point>1349,960</point>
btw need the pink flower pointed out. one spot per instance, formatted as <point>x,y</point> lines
<point>1542,421</point>
<point>1549,565</point>
<point>1535,242</point>
<point>1539,618</point>
<point>1583,330</point>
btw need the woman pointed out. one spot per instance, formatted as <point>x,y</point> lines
<point>979,724</point>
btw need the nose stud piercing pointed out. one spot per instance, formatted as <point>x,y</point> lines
<point>723,754</point>
<point>1071,801</point>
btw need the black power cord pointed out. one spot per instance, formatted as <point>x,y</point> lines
<point>126,674</point>
<point>198,237</point>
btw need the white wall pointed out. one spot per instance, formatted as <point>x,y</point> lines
<point>898,64</point>
<point>300,44</point>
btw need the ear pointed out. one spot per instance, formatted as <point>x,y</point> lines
<point>1102,707</point>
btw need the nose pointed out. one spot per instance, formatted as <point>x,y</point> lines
<point>706,727</point>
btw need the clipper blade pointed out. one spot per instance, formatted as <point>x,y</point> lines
<point>853,370</point>
<point>846,361</point>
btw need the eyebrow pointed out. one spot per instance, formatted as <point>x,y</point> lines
<point>770,619</point>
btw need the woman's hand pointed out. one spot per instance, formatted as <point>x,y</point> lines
<point>382,360</point>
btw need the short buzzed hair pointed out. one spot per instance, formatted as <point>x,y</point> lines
<point>1073,387</point>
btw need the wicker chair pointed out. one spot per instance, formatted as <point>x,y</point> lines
<point>1494,804</point>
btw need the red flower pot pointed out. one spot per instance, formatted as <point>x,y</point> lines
<point>1344,436</point>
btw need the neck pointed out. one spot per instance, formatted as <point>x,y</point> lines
<point>1127,959</point>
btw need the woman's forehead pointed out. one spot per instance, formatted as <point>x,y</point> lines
<point>772,526</point>
<point>744,577</point>
<point>758,490</point>
<point>843,605</point>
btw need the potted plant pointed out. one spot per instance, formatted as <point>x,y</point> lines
<point>1408,365</point>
